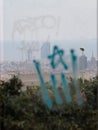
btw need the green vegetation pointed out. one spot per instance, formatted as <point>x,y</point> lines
<point>25,110</point>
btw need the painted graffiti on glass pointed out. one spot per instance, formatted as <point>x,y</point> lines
<point>56,59</point>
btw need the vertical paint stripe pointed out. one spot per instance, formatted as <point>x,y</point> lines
<point>55,89</point>
<point>46,97</point>
<point>75,70</point>
<point>66,88</point>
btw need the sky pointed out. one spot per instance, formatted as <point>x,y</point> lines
<point>69,20</point>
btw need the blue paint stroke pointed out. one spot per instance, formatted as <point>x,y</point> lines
<point>55,89</point>
<point>46,98</point>
<point>74,67</point>
<point>66,88</point>
<point>53,58</point>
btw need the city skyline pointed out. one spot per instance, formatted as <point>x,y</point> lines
<point>12,51</point>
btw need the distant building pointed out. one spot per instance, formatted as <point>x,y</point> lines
<point>97,64</point>
<point>45,50</point>
<point>29,54</point>
<point>83,62</point>
<point>93,62</point>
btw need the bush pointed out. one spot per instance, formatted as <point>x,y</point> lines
<point>25,110</point>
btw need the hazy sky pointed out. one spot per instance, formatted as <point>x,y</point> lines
<point>75,20</point>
